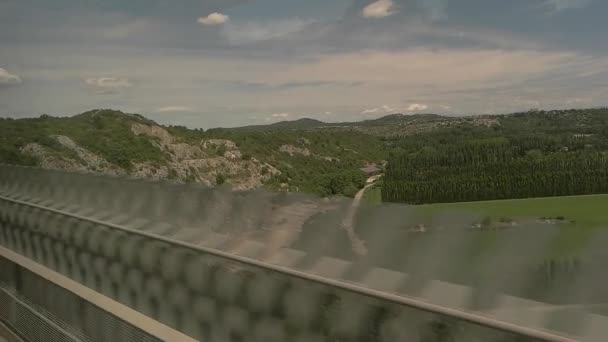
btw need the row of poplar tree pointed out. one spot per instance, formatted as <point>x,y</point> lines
<point>494,168</point>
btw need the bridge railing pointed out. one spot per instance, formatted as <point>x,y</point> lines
<point>144,245</point>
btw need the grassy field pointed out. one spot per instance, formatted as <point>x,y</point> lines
<point>585,211</point>
<point>373,195</point>
<point>584,216</point>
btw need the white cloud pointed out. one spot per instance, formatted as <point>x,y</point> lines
<point>108,85</point>
<point>416,107</point>
<point>383,108</point>
<point>559,5</point>
<point>379,9</point>
<point>277,116</point>
<point>170,109</point>
<point>499,79</point>
<point>214,19</point>
<point>251,32</point>
<point>6,78</point>
<point>370,111</point>
<point>388,108</point>
<point>414,70</point>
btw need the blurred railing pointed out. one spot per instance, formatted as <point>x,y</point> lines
<point>158,248</point>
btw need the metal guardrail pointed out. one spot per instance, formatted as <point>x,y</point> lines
<point>32,325</point>
<point>416,303</point>
<point>193,287</point>
<point>40,310</point>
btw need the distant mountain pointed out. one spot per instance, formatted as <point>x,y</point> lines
<point>397,125</point>
<point>303,123</point>
<point>400,119</point>
<point>308,123</point>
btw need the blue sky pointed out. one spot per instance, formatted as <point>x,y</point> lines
<point>209,63</point>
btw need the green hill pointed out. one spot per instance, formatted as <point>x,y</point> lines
<point>113,142</point>
<point>302,155</point>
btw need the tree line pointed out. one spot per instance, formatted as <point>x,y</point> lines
<point>447,167</point>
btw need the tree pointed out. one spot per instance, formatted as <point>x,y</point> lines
<point>350,190</point>
<point>221,150</point>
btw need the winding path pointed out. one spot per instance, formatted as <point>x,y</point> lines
<point>348,223</point>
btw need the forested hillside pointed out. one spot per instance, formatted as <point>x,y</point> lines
<point>112,142</point>
<point>432,158</point>
<point>532,154</point>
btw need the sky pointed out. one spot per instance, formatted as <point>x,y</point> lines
<point>211,63</point>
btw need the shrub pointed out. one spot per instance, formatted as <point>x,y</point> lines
<point>220,150</point>
<point>220,179</point>
<point>487,221</point>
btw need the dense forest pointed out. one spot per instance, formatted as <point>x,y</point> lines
<point>528,155</point>
<point>431,158</point>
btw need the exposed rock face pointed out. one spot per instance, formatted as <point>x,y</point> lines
<point>148,170</point>
<point>233,155</point>
<point>213,143</point>
<point>153,131</point>
<point>293,150</point>
<point>183,162</point>
<point>486,121</point>
<point>81,160</point>
<point>304,141</point>
<point>90,160</point>
<point>167,143</point>
<point>197,163</point>
<point>48,160</point>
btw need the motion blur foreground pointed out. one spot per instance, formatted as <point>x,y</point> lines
<point>93,258</point>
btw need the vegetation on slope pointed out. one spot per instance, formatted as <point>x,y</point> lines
<point>331,168</point>
<point>321,162</point>
<point>528,155</point>
<point>432,158</point>
<point>104,132</point>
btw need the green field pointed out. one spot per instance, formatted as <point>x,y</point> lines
<point>373,195</point>
<point>585,211</point>
<point>583,215</point>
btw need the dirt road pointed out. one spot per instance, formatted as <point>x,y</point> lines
<point>348,223</point>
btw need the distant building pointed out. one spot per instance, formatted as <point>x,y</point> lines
<point>371,170</point>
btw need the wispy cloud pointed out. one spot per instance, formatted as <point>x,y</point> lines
<point>257,31</point>
<point>8,79</point>
<point>170,109</point>
<point>379,9</point>
<point>274,56</point>
<point>108,85</point>
<point>560,5</point>
<point>416,107</point>
<point>214,19</point>
<point>277,117</point>
<point>382,109</point>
